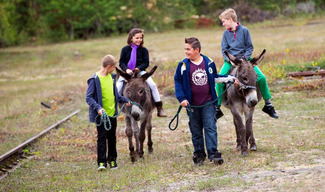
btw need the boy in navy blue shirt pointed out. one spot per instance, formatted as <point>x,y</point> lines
<point>195,79</point>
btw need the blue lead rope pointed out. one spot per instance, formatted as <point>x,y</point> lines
<point>104,118</point>
<point>189,107</point>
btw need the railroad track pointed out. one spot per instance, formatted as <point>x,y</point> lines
<point>9,161</point>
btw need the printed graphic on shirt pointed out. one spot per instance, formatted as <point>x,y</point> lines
<point>210,70</point>
<point>199,77</point>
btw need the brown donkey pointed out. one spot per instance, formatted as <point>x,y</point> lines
<point>138,92</point>
<point>241,99</point>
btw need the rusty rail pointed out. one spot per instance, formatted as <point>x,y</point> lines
<point>32,139</point>
<point>307,73</point>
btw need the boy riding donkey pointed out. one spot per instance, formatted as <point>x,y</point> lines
<point>236,41</point>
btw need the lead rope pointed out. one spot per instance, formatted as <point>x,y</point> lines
<point>104,118</point>
<point>189,107</point>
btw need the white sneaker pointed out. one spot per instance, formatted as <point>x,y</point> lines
<point>101,167</point>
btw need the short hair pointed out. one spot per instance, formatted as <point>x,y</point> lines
<point>194,42</point>
<point>228,13</point>
<point>132,33</point>
<point>108,60</point>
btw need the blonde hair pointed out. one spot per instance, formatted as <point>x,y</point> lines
<point>108,60</point>
<point>228,13</point>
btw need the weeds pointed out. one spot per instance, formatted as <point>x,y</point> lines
<point>65,159</point>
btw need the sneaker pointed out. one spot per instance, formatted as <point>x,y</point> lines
<point>198,159</point>
<point>113,165</point>
<point>101,167</point>
<point>269,109</point>
<point>219,113</point>
<point>217,159</point>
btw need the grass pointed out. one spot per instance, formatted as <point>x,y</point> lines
<point>290,150</point>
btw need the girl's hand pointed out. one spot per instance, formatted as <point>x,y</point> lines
<point>129,71</point>
<point>128,104</point>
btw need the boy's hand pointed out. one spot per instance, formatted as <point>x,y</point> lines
<point>136,70</point>
<point>184,103</point>
<point>100,112</point>
<point>236,82</point>
<point>128,104</point>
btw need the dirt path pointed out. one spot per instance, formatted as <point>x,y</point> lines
<point>297,178</point>
<point>300,169</point>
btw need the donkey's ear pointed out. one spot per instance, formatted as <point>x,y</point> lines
<point>233,60</point>
<point>124,74</point>
<point>147,75</point>
<point>256,60</point>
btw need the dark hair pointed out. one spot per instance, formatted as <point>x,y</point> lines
<point>194,42</point>
<point>132,33</point>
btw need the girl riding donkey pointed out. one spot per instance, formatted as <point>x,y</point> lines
<point>135,57</point>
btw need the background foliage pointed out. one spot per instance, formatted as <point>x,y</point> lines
<point>42,21</point>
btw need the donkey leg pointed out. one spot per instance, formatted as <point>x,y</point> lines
<point>238,140</point>
<point>241,130</point>
<point>142,137</point>
<point>249,129</point>
<point>136,133</point>
<point>149,128</point>
<point>238,122</point>
<point>129,134</point>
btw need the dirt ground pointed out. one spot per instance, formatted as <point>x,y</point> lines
<point>283,176</point>
<point>297,178</point>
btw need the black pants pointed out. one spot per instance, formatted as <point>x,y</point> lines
<point>104,139</point>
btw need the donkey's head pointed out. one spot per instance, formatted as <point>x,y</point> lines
<point>245,73</point>
<point>137,91</point>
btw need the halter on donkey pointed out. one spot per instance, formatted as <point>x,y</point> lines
<point>241,100</point>
<point>137,90</point>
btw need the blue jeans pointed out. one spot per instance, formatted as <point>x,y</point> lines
<point>204,118</point>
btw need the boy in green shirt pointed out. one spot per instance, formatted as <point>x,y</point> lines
<point>102,95</point>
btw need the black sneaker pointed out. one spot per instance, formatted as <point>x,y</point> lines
<point>269,109</point>
<point>219,113</point>
<point>217,159</point>
<point>113,165</point>
<point>198,159</point>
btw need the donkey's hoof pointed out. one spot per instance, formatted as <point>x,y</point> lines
<point>253,148</point>
<point>133,159</point>
<point>238,148</point>
<point>141,159</point>
<point>150,151</point>
<point>244,153</point>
